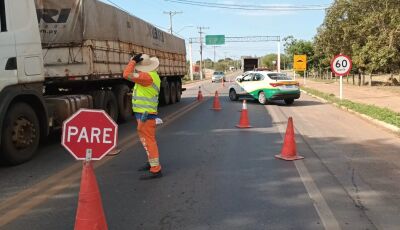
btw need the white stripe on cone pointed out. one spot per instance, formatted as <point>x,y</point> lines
<point>244,105</point>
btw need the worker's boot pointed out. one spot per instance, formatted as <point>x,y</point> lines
<point>145,167</point>
<point>150,175</point>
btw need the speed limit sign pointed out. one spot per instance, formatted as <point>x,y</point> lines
<point>341,65</point>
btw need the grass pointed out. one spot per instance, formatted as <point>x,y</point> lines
<point>381,114</point>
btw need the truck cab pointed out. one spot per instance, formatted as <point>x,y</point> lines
<point>21,58</point>
<point>23,117</point>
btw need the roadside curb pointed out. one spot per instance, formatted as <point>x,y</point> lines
<point>379,123</point>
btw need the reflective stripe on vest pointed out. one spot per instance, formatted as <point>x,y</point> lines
<point>145,99</point>
<point>154,99</point>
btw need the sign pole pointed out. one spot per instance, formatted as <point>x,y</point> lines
<point>88,155</point>
<point>341,87</point>
<point>305,72</point>
<point>294,74</point>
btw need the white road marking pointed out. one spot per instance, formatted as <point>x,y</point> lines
<point>325,214</point>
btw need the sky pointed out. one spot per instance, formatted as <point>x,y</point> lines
<point>302,24</point>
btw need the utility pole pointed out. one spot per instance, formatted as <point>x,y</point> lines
<point>190,59</point>
<point>278,64</point>
<point>201,28</point>
<point>171,13</point>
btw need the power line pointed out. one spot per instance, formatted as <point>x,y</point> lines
<point>252,7</point>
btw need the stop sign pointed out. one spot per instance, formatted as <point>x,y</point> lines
<point>89,130</point>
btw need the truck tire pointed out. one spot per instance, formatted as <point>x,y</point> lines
<point>165,93</point>
<point>20,134</point>
<point>124,102</point>
<point>105,100</point>
<point>111,105</point>
<point>178,91</point>
<point>98,99</point>
<point>173,92</point>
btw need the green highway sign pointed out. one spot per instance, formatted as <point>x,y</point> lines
<point>215,39</point>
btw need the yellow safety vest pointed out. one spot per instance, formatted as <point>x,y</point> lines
<point>146,98</point>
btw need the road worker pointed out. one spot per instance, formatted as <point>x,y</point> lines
<point>142,71</point>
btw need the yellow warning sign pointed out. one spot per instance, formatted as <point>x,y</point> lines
<point>300,62</point>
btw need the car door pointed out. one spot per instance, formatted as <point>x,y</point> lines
<point>255,85</point>
<point>244,84</point>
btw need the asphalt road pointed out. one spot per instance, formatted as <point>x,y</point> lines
<point>219,177</point>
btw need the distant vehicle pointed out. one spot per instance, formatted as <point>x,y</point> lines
<point>218,76</point>
<point>265,86</point>
<point>250,63</point>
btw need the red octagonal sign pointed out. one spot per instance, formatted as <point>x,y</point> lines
<point>89,130</point>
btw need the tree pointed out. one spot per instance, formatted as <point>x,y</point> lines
<point>269,61</point>
<point>366,30</point>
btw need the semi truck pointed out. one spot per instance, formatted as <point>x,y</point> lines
<point>58,56</point>
<point>249,63</point>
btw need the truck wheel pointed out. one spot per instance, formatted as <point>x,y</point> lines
<point>111,105</point>
<point>20,134</point>
<point>178,91</point>
<point>124,102</point>
<point>165,93</point>
<point>106,101</point>
<point>173,92</point>
<point>98,99</point>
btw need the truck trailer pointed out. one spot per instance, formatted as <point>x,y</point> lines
<point>249,63</point>
<point>58,56</point>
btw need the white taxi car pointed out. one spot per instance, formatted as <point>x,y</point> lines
<point>265,86</point>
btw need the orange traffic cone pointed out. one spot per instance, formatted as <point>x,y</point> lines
<point>199,95</point>
<point>289,151</point>
<point>244,117</point>
<point>216,105</point>
<point>90,214</point>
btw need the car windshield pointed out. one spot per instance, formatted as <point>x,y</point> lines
<point>218,73</point>
<point>278,76</point>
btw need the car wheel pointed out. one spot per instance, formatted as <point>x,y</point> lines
<point>289,101</point>
<point>232,95</point>
<point>261,98</point>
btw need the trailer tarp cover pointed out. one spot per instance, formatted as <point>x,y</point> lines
<point>66,22</point>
